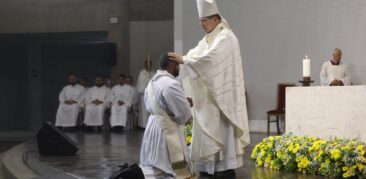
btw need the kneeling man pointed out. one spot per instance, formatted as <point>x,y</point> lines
<point>163,148</point>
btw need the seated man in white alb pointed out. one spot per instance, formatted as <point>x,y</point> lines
<point>122,99</point>
<point>334,72</point>
<point>84,82</point>
<point>135,97</point>
<point>71,100</point>
<point>134,110</point>
<point>96,102</point>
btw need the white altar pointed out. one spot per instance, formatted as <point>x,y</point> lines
<point>327,111</point>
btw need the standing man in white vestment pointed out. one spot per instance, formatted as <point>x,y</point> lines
<point>122,100</point>
<point>143,80</point>
<point>216,83</point>
<point>334,72</point>
<point>96,102</point>
<point>163,148</point>
<point>71,100</point>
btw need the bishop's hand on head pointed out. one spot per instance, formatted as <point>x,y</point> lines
<point>175,57</point>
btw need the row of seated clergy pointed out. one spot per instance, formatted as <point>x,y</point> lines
<point>95,101</point>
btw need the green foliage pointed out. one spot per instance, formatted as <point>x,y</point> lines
<point>332,158</point>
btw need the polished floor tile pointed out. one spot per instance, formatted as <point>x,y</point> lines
<point>100,153</point>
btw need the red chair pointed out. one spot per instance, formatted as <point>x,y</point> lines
<point>280,110</point>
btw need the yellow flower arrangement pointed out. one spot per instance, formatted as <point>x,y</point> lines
<point>188,133</point>
<point>336,154</point>
<point>302,163</point>
<point>189,139</point>
<point>332,158</point>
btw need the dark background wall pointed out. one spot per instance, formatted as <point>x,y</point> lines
<point>42,41</point>
<point>36,69</point>
<point>151,10</point>
<point>13,88</point>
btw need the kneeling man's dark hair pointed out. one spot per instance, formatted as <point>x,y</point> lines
<point>165,61</point>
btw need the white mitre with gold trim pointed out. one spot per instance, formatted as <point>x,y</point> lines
<point>207,8</point>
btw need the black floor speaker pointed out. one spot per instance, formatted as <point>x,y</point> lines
<point>51,141</point>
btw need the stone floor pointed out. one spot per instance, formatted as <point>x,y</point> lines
<point>100,153</point>
<point>9,139</point>
<point>6,145</point>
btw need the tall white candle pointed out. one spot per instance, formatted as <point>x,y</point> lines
<point>306,67</point>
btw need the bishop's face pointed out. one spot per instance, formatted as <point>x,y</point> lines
<point>208,24</point>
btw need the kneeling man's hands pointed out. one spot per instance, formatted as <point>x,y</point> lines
<point>190,101</point>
